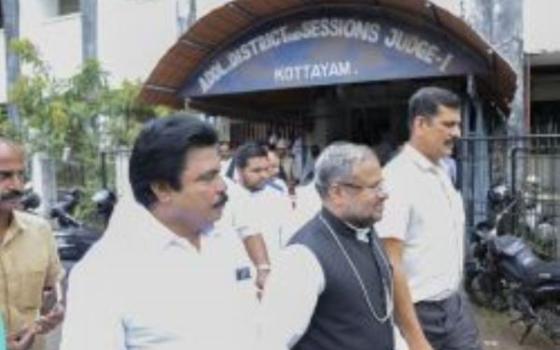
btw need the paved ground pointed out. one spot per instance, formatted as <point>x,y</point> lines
<point>497,334</point>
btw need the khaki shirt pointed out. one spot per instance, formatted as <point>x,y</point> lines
<point>29,263</point>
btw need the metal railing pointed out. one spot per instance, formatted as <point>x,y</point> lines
<point>530,167</point>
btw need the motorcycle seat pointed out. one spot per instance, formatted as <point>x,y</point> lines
<point>514,248</point>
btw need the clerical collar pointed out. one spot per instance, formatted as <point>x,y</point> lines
<point>345,228</point>
<point>361,233</point>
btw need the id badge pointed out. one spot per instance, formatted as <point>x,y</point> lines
<point>243,273</point>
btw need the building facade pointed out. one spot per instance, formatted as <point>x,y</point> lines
<point>126,36</point>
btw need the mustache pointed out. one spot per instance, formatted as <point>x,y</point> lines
<point>454,139</point>
<point>451,142</point>
<point>14,194</point>
<point>222,201</point>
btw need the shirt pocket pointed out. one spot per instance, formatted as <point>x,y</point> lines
<point>30,291</point>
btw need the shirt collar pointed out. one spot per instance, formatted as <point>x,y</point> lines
<point>419,159</point>
<point>17,226</point>
<point>150,232</point>
<point>360,233</point>
<point>18,221</point>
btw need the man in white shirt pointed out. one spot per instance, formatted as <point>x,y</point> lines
<point>332,287</point>
<point>225,153</point>
<point>263,209</point>
<point>274,180</point>
<point>307,204</point>
<point>166,280</point>
<point>287,171</point>
<point>423,229</point>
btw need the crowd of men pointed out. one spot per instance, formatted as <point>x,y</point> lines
<point>212,252</point>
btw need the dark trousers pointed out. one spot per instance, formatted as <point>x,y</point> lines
<point>449,324</point>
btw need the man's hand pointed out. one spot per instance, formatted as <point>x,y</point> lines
<point>21,340</point>
<point>419,344</point>
<point>48,322</point>
<point>262,276</point>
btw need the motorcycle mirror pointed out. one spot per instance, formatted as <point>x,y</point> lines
<point>482,229</point>
<point>498,194</point>
<point>103,196</point>
<point>30,201</point>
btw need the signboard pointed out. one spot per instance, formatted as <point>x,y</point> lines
<point>331,50</point>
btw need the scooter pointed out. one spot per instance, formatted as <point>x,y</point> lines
<point>505,274</point>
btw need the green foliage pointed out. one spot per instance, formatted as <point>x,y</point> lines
<point>81,115</point>
<point>7,128</point>
<point>123,102</point>
<point>66,113</point>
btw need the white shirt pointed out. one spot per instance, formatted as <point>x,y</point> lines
<point>271,214</point>
<point>308,204</point>
<point>291,294</point>
<point>279,185</point>
<point>234,215</point>
<point>225,166</point>
<point>267,212</point>
<point>426,212</point>
<point>147,288</point>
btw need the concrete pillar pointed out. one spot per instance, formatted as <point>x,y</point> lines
<point>186,15</point>
<point>88,9</point>
<point>11,15</point>
<point>500,22</point>
<point>44,181</point>
<point>122,184</point>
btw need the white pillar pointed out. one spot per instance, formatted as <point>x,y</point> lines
<point>122,184</point>
<point>44,181</point>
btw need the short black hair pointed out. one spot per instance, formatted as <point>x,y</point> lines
<point>426,101</point>
<point>247,151</point>
<point>159,153</point>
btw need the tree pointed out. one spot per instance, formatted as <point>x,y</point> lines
<point>79,116</point>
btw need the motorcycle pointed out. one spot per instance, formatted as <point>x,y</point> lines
<point>506,274</point>
<point>73,237</point>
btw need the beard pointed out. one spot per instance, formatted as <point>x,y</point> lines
<point>360,221</point>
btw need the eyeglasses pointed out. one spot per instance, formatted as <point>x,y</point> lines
<point>378,189</point>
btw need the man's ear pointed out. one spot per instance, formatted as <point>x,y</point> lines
<point>162,191</point>
<point>420,122</point>
<point>335,194</point>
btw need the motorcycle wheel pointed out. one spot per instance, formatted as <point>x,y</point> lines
<point>549,319</point>
<point>479,293</point>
